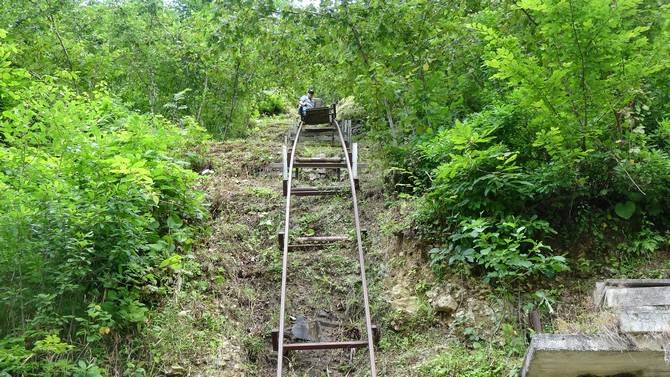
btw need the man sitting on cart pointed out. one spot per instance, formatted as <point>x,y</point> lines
<point>306,102</point>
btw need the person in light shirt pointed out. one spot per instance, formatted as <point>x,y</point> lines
<point>306,102</point>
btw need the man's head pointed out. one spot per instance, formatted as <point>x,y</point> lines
<point>310,93</point>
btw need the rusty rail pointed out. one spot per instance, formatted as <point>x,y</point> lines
<point>287,217</point>
<point>361,256</point>
<point>291,162</point>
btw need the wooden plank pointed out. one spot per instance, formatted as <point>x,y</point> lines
<point>311,242</point>
<point>278,166</point>
<point>321,239</point>
<point>315,191</point>
<point>320,165</point>
<point>326,345</point>
<point>317,115</point>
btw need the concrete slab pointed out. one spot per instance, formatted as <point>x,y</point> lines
<point>636,321</point>
<point>641,349</point>
<point>556,355</point>
<point>636,283</point>
<point>645,291</point>
<point>615,297</point>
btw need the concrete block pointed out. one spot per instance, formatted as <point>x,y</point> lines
<point>635,321</point>
<point>615,293</point>
<point>615,297</point>
<point>637,283</point>
<point>555,355</point>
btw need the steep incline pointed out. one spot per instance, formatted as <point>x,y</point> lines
<point>223,327</point>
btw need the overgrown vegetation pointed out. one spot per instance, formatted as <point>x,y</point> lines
<point>458,361</point>
<point>531,138</point>
<point>97,213</point>
<point>544,120</point>
<point>570,137</point>
<point>537,125</point>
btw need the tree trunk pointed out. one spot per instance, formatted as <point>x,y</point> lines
<point>233,102</point>
<point>202,101</point>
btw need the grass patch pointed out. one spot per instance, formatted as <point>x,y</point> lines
<point>462,362</point>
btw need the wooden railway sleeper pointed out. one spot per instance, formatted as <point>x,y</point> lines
<point>320,163</point>
<point>315,241</point>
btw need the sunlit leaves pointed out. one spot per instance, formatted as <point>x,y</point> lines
<point>94,198</point>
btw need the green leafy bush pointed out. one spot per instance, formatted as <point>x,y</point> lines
<point>93,199</point>
<point>348,108</point>
<point>11,78</point>
<point>271,102</point>
<point>568,140</point>
<point>504,250</point>
<point>474,171</point>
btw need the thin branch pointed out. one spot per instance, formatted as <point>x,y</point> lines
<point>530,18</point>
<point>583,65</point>
<point>54,27</point>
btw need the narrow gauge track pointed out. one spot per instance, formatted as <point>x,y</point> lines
<point>320,116</point>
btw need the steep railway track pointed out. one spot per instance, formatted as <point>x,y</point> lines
<point>326,121</point>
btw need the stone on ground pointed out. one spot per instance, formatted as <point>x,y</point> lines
<point>441,300</point>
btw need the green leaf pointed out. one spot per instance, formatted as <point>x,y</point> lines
<point>173,262</point>
<point>174,222</point>
<point>625,210</point>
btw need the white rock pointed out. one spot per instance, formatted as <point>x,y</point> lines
<point>441,300</point>
<point>403,300</point>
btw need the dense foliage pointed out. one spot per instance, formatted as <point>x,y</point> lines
<point>195,58</point>
<point>571,136</point>
<point>532,137</point>
<point>522,128</point>
<point>96,212</point>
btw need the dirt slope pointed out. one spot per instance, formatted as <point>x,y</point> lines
<point>226,314</point>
